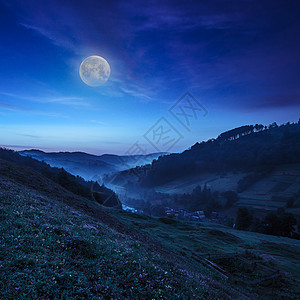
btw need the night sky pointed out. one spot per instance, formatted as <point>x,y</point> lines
<point>239,59</point>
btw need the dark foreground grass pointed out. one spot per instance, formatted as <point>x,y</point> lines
<point>209,240</point>
<point>51,251</point>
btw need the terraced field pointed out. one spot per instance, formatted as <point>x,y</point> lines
<point>272,192</point>
<point>268,194</point>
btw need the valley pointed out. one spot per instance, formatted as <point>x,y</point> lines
<point>228,233</point>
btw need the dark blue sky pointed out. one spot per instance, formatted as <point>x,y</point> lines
<point>239,59</point>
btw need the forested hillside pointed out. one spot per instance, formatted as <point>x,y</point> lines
<point>247,148</point>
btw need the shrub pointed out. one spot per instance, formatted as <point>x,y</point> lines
<point>243,218</point>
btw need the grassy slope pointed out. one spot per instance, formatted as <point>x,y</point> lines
<point>273,191</point>
<point>68,247</point>
<point>57,245</point>
<point>192,240</point>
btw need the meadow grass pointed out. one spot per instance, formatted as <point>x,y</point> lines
<point>52,249</point>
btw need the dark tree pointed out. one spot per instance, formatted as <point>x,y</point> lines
<point>272,224</point>
<point>231,197</point>
<point>290,202</point>
<point>243,218</point>
<point>282,224</point>
<point>288,222</point>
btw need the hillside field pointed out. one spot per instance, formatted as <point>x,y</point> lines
<point>56,245</point>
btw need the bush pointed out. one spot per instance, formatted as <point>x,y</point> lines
<point>243,218</point>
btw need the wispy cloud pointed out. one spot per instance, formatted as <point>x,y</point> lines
<point>15,108</point>
<point>63,100</point>
<point>136,94</point>
<point>29,135</point>
<point>71,101</point>
<point>48,33</point>
<point>98,122</point>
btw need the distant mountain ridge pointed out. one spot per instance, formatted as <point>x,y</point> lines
<point>89,166</point>
<point>41,176</point>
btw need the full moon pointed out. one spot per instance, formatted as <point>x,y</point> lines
<point>94,70</point>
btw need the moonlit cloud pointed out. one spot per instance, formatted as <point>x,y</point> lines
<point>194,43</point>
